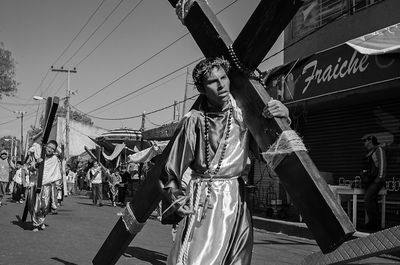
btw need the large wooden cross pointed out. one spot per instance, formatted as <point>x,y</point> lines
<point>325,218</point>
<point>49,116</point>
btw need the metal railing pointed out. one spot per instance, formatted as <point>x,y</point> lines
<point>317,13</point>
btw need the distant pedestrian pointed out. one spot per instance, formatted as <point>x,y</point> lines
<point>113,181</point>
<point>95,173</point>
<point>18,179</point>
<point>71,180</point>
<point>122,187</point>
<point>5,168</point>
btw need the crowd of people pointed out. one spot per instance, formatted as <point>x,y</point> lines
<point>20,180</point>
<point>112,183</point>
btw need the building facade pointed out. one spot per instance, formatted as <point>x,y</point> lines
<point>339,88</point>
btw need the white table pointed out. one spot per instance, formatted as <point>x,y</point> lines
<point>351,194</point>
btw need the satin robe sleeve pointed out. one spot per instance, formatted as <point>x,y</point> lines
<point>182,151</point>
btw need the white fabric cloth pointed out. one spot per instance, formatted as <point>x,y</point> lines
<point>36,149</point>
<point>117,150</point>
<point>17,176</point>
<point>52,170</point>
<point>71,177</point>
<point>96,173</point>
<point>386,40</point>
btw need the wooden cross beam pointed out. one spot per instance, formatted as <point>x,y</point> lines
<point>50,114</point>
<point>381,242</point>
<point>312,196</point>
<point>325,218</point>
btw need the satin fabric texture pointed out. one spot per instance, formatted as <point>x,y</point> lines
<point>224,235</point>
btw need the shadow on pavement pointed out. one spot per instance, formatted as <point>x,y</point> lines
<point>63,261</point>
<point>23,225</point>
<point>155,258</point>
<point>85,203</point>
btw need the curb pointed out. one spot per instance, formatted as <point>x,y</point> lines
<point>284,227</point>
<point>290,228</point>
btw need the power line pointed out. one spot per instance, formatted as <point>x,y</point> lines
<point>195,61</point>
<point>119,24</point>
<point>91,35</point>
<point>15,119</point>
<point>107,104</point>
<point>144,92</point>
<point>7,109</point>
<point>133,69</point>
<point>151,57</point>
<point>48,70</point>
<point>135,116</point>
<point>18,104</point>
<point>77,34</point>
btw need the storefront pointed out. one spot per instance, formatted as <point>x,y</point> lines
<point>335,98</point>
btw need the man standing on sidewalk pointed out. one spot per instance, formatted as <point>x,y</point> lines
<point>5,167</point>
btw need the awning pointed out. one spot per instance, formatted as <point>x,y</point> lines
<point>117,150</point>
<point>338,70</point>
<point>147,154</point>
<point>386,40</point>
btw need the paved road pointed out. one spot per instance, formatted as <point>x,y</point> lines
<point>74,236</point>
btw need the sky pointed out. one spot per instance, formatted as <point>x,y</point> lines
<point>131,56</point>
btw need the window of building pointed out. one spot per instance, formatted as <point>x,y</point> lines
<point>317,13</point>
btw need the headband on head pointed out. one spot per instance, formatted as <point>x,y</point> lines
<point>204,67</point>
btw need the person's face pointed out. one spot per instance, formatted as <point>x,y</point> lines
<point>50,149</point>
<point>216,87</point>
<point>18,166</point>
<point>368,144</point>
<point>3,156</point>
<point>95,164</point>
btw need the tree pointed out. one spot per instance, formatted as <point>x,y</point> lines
<point>74,115</point>
<point>8,85</point>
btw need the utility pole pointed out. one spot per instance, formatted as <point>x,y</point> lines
<point>67,106</point>
<point>186,89</point>
<point>140,169</point>
<point>12,149</point>
<point>21,151</point>
<point>176,111</point>
<point>143,121</point>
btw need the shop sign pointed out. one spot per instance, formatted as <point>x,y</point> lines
<point>335,70</point>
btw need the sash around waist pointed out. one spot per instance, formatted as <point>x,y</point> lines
<point>206,177</point>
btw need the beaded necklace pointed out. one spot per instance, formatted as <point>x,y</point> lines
<point>211,173</point>
<point>207,140</point>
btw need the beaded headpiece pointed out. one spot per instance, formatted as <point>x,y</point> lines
<point>204,68</point>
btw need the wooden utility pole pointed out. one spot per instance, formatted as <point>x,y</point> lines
<point>186,89</point>
<point>143,121</point>
<point>176,111</point>
<point>67,106</point>
<point>21,151</point>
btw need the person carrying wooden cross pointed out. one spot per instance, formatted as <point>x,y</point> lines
<point>51,174</point>
<point>214,142</point>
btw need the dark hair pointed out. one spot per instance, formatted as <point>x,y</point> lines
<point>53,142</point>
<point>372,138</point>
<point>19,162</point>
<point>204,68</point>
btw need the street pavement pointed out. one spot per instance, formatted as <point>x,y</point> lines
<point>75,234</point>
